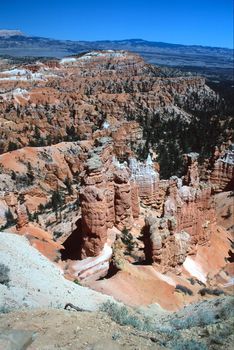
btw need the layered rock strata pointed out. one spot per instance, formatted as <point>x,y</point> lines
<point>94,227</point>
<point>147,180</point>
<point>108,198</point>
<point>22,216</point>
<point>182,209</point>
<point>163,246</point>
<point>123,200</point>
<point>222,175</point>
<point>187,221</point>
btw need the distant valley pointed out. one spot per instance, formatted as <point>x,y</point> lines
<point>212,62</point>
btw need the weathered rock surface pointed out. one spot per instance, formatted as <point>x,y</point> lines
<point>188,219</point>
<point>164,247</point>
<point>35,287</point>
<point>16,339</point>
<point>222,174</point>
<point>22,216</point>
<point>108,198</point>
<point>123,200</point>
<point>147,180</point>
<point>94,213</point>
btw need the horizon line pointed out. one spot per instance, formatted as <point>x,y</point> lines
<point>128,39</point>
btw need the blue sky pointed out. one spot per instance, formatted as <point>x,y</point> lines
<point>202,22</point>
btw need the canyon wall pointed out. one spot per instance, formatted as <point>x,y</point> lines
<point>180,215</point>
<point>187,221</point>
<point>181,210</point>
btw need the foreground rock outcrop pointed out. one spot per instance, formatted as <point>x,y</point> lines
<point>46,287</point>
<point>211,322</point>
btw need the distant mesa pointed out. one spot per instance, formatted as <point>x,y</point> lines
<point>8,33</point>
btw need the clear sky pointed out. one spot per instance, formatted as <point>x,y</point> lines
<point>202,22</point>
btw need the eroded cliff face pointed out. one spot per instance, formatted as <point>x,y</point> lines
<point>165,247</point>
<point>187,221</point>
<point>147,180</point>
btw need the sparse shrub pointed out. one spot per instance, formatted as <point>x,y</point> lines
<point>189,344</point>
<point>209,291</point>
<point>68,184</point>
<point>205,317</point>
<point>57,234</point>
<point>5,309</point>
<point>9,218</point>
<point>41,208</point>
<point>12,146</point>
<point>201,318</point>
<point>228,214</point>
<point>56,201</point>
<point>127,239</point>
<point>121,315</point>
<point>220,334</point>
<point>4,274</point>
<point>13,175</point>
<point>195,280</point>
<point>124,316</point>
<point>183,289</point>
<point>76,281</point>
<point>116,336</point>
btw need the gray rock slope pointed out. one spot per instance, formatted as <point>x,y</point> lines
<point>37,282</point>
